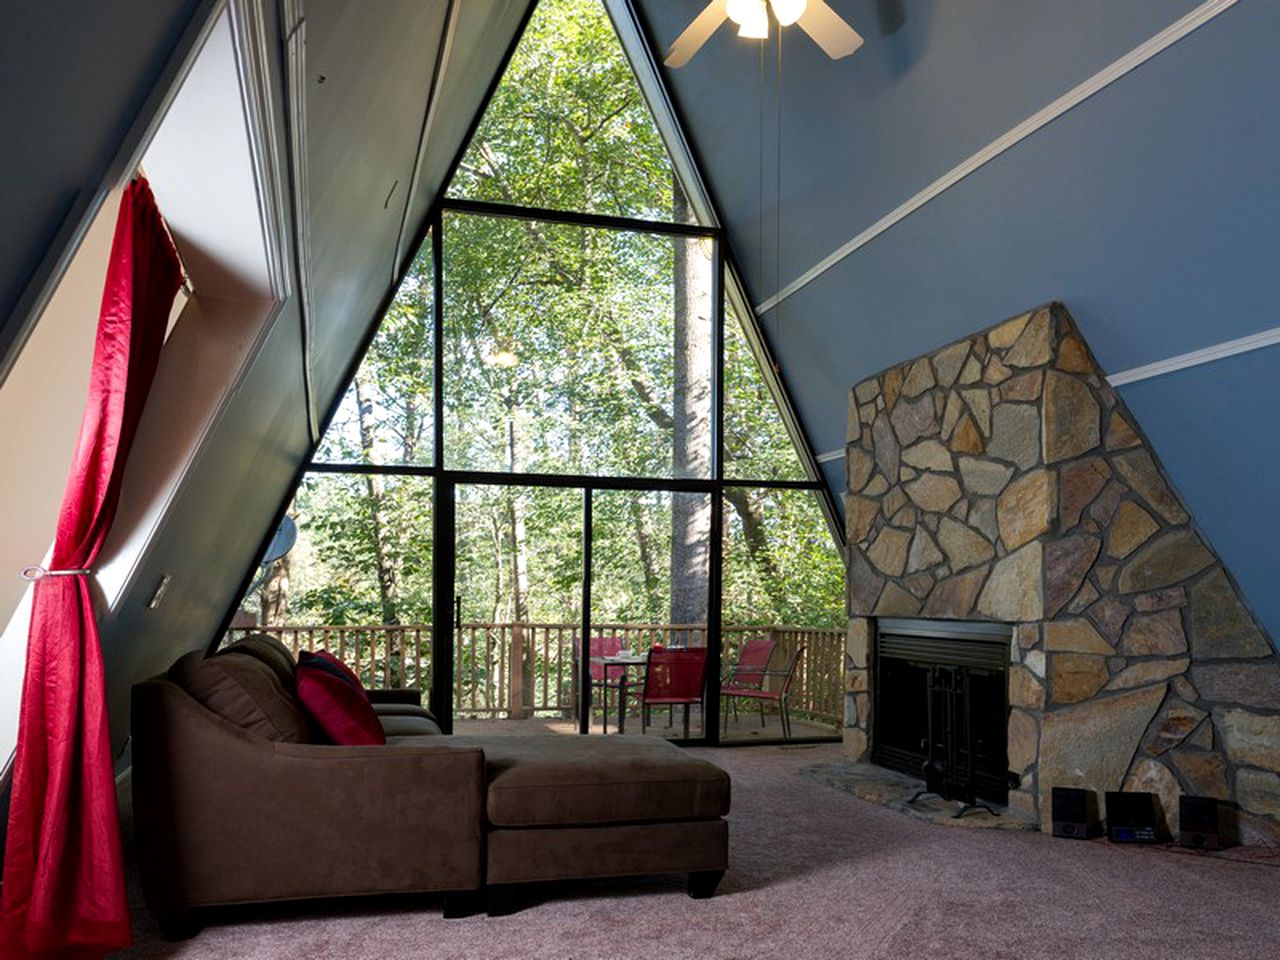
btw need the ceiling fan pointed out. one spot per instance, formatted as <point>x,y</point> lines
<point>814,17</point>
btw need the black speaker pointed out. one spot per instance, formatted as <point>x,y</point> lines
<point>1132,817</point>
<point>1198,823</point>
<point>1075,813</point>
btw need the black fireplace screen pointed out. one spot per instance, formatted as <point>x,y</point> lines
<point>939,698</point>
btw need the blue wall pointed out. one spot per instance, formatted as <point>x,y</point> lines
<point>1151,210</point>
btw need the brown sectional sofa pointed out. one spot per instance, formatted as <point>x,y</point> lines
<point>235,802</point>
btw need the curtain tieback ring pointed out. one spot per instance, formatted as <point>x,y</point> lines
<point>33,572</point>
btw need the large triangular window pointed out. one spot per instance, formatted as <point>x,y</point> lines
<point>565,402</point>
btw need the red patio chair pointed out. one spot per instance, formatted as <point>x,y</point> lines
<point>778,696</point>
<point>747,675</point>
<point>605,676</point>
<point>673,677</point>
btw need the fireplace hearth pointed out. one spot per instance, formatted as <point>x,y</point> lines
<point>939,709</point>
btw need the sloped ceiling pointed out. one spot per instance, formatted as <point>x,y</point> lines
<point>1150,209</point>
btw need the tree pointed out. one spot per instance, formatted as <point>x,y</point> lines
<point>691,426</point>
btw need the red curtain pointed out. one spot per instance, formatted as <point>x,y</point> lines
<point>63,887</point>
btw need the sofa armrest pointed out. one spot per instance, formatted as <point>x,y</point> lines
<point>409,696</point>
<point>227,817</point>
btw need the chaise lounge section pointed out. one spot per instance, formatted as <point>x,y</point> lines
<point>237,801</point>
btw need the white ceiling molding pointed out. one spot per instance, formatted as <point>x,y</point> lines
<point>1103,78</point>
<point>1195,358</point>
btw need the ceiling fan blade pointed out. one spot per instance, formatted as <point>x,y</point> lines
<point>828,30</point>
<point>697,33</point>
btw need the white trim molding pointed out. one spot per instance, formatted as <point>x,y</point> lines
<point>1218,351</point>
<point>1103,78</point>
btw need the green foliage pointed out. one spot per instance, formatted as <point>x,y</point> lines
<point>395,383</point>
<point>757,446</point>
<point>796,577</point>
<point>568,128</point>
<point>560,355</point>
<point>586,318</point>
<point>334,565</point>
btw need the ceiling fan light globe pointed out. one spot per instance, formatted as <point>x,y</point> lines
<point>739,11</point>
<point>756,24</point>
<point>788,11</point>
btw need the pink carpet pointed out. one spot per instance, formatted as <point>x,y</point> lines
<point>816,872</point>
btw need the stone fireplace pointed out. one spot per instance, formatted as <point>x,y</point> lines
<point>1001,479</point>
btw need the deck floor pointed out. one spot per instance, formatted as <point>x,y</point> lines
<point>746,728</point>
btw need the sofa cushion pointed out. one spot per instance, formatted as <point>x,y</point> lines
<point>401,695</point>
<point>270,651</point>
<point>245,691</point>
<point>401,710</point>
<point>339,709</point>
<point>401,725</point>
<point>565,781</point>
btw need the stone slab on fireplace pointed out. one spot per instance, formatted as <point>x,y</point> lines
<point>1001,478</point>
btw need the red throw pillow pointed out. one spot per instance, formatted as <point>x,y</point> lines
<point>321,657</point>
<point>338,707</point>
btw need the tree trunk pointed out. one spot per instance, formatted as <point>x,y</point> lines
<point>388,580</point>
<point>412,431</point>
<point>652,586</point>
<point>749,510</point>
<point>516,524</point>
<point>273,595</point>
<point>521,675</point>
<point>495,608</point>
<point>691,436</point>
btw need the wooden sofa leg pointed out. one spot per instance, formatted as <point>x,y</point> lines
<point>503,899</point>
<point>466,903</point>
<point>703,883</point>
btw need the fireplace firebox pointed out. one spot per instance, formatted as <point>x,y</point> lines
<point>940,707</point>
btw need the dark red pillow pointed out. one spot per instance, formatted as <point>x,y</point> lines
<point>324,659</point>
<point>337,706</point>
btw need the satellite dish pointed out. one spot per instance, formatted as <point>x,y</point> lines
<point>286,536</point>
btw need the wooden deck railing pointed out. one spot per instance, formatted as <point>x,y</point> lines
<point>522,669</point>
